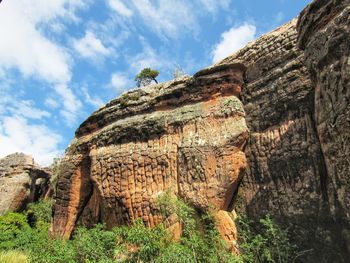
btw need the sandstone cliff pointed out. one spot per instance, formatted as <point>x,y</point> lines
<point>289,136</point>
<point>185,136</point>
<point>21,182</point>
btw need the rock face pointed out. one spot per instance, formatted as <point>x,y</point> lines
<point>21,182</point>
<point>297,108</point>
<point>185,136</point>
<point>191,136</point>
<point>324,34</point>
<point>287,174</point>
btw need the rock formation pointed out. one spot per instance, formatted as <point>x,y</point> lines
<point>191,136</point>
<point>185,136</point>
<point>324,34</point>
<point>21,182</point>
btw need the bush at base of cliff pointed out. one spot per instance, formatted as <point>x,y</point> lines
<point>200,241</point>
<point>264,241</point>
<point>11,226</point>
<point>94,245</point>
<point>40,212</point>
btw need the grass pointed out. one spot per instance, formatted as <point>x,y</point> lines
<point>13,256</point>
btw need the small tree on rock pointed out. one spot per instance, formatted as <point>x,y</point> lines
<point>146,76</point>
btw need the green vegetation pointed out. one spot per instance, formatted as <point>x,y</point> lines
<point>264,242</point>
<point>146,76</point>
<point>13,256</point>
<point>24,236</point>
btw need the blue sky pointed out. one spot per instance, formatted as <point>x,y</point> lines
<point>60,60</point>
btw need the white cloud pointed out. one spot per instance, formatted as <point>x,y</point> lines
<point>26,108</point>
<point>233,40</point>
<point>120,8</point>
<point>90,46</point>
<point>120,82</point>
<point>16,135</point>
<point>148,57</point>
<point>71,104</point>
<point>24,46</point>
<point>51,103</point>
<point>94,101</point>
<point>165,17</point>
<point>169,19</point>
<point>214,6</point>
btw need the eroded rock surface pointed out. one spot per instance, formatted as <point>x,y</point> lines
<point>291,153</point>
<point>186,136</point>
<point>190,135</point>
<point>324,34</point>
<point>21,182</point>
<point>287,174</point>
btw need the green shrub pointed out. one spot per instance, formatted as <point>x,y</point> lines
<point>148,242</point>
<point>200,242</point>
<point>94,245</point>
<point>176,253</point>
<point>43,249</point>
<point>13,256</point>
<point>40,211</point>
<point>11,225</point>
<point>264,241</point>
<point>199,237</point>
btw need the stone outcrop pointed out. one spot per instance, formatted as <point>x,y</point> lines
<point>289,136</point>
<point>22,181</point>
<point>324,34</point>
<point>186,136</point>
<point>287,174</point>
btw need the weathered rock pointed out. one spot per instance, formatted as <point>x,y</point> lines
<point>21,182</point>
<point>324,34</point>
<point>288,174</point>
<point>186,136</point>
<point>189,135</point>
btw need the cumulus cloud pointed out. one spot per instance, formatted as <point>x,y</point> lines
<point>17,135</point>
<point>24,46</point>
<point>233,40</point>
<point>90,46</point>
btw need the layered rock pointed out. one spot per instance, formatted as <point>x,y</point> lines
<point>22,181</point>
<point>291,154</point>
<point>287,174</point>
<point>324,34</point>
<point>185,136</point>
<point>190,136</point>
